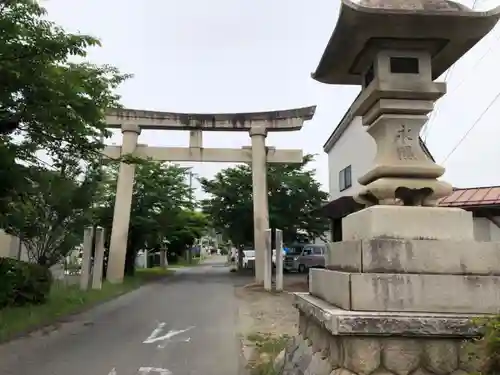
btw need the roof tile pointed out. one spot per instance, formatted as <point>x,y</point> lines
<point>483,196</point>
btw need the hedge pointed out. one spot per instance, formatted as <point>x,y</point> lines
<point>23,283</point>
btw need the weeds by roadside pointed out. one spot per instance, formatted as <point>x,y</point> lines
<point>484,352</point>
<point>267,347</point>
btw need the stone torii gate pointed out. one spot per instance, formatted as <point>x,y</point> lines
<point>258,124</point>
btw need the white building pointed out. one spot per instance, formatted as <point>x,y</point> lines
<point>10,247</point>
<point>351,152</point>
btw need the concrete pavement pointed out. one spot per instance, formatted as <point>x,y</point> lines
<point>185,325</point>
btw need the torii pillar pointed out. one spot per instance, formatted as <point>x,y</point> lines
<point>123,203</point>
<point>260,201</point>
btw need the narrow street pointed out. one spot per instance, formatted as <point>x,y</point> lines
<point>184,325</point>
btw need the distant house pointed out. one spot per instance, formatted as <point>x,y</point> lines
<point>351,152</point>
<point>484,203</point>
<point>11,248</point>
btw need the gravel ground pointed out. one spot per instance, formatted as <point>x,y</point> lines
<point>263,313</point>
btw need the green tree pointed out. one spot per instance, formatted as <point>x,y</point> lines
<point>48,101</point>
<point>294,199</point>
<point>50,215</point>
<point>189,225</point>
<point>162,210</point>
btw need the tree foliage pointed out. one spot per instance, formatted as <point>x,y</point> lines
<point>48,101</point>
<point>162,212</point>
<point>50,215</point>
<point>294,198</point>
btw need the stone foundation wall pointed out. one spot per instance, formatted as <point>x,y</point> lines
<point>315,351</point>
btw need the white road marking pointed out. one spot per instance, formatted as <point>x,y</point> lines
<point>149,370</point>
<point>112,372</point>
<point>154,336</point>
<point>156,332</point>
<point>164,343</point>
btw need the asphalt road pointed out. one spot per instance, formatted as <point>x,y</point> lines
<point>185,325</point>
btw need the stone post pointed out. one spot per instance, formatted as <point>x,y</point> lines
<point>260,205</point>
<point>216,244</point>
<point>98,259</point>
<point>86,258</point>
<point>123,202</point>
<point>279,260</point>
<point>268,265</point>
<point>163,258</point>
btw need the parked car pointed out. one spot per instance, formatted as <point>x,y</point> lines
<point>300,259</point>
<point>248,258</point>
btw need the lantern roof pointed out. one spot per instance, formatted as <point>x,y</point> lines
<point>445,28</point>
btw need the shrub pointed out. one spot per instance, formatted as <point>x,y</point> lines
<point>23,283</point>
<point>484,352</point>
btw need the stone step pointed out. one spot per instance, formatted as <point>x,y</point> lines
<point>407,292</point>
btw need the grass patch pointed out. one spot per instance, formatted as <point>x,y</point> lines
<point>268,347</point>
<point>66,300</point>
<point>267,343</point>
<point>265,368</point>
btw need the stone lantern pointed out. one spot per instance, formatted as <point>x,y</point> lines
<point>395,49</point>
<point>398,294</point>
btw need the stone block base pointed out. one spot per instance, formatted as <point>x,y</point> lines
<point>415,256</point>
<point>423,223</point>
<point>338,342</point>
<point>411,275</point>
<point>407,292</point>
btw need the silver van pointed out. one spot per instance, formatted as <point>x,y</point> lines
<point>300,259</point>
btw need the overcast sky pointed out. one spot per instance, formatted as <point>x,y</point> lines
<point>254,55</point>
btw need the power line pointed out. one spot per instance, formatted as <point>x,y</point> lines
<point>488,51</point>
<point>434,113</point>
<point>497,96</point>
<point>490,105</point>
<point>427,127</point>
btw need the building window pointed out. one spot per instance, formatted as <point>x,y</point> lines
<point>345,180</point>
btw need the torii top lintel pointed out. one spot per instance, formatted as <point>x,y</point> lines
<point>283,120</point>
<point>444,28</point>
